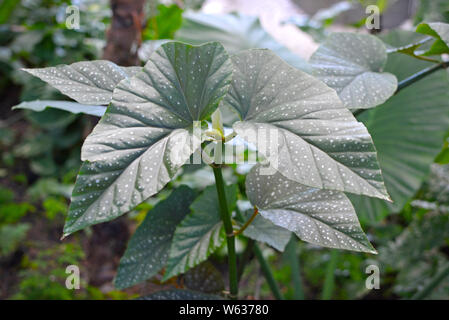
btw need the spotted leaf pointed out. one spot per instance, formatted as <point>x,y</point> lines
<point>200,233</point>
<point>148,248</point>
<point>322,217</point>
<point>88,82</point>
<point>146,134</point>
<point>352,64</point>
<point>300,125</point>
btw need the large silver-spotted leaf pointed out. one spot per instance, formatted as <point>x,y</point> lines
<point>73,107</point>
<point>148,248</point>
<point>323,217</point>
<point>200,233</point>
<point>146,133</point>
<point>264,230</point>
<point>313,138</point>
<point>236,32</point>
<point>88,82</point>
<point>352,64</point>
<point>408,131</point>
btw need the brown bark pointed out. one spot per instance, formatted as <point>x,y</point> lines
<point>125,33</point>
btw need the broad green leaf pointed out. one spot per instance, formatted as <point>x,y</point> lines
<point>319,142</point>
<point>88,82</point>
<point>11,235</point>
<point>73,107</point>
<point>146,134</point>
<point>408,132</point>
<point>148,248</point>
<point>322,217</point>
<point>236,32</point>
<point>265,231</point>
<point>200,233</point>
<point>204,278</point>
<point>178,294</point>
<point>438,30</point>
<point>352,64</point>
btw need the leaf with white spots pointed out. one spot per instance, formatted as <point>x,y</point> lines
<point>300,125</point>
<point>88,82</point>
<point>148,248</point>
<point>178,294</point>
<point>352,64</point>
<point>73,107</point>
<point>236,32</point>
<point>263,230</point>
<point>322,217</point>
<point>200,233</point>
<point>439,31</point>
<point>147,132</point>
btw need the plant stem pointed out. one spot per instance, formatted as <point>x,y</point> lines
<point>414,78</point>
<point>421,74</point>
<point>422,294</point>
<point>329,281</point>
<point>230,238</point>
<point>244,258</point>
<point>267,273</point>
<point>247,223</point>
<point>293,261</point>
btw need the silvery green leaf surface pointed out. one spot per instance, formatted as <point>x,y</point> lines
<point>265,231</point>
<point>74,107</point>
<point>146,134</point>
<point>352,64</point>
<point>313,138</point>
<point>148,248</point>
<point>322,217</point>
<point>88,82</point>
<point>418,119</point>
<point>200,233</point>
<point>178,294</point>
<point>236,32</point>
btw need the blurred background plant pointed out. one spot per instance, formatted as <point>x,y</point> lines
<point>40,154</point>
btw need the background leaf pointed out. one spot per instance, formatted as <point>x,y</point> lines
<point>408,131</point>
<point>200,233</point>
<point>352,64</point>
<point>204,278</point>
<point>148,248</point>
<point>236,32</point>
<point>73,107</point>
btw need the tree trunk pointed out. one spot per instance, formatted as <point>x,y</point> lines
<point>124,35</point>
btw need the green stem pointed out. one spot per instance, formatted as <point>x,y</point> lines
<point>414,78</point>
<point>293,261</point>
<point>267,273</point>
<point>230,238</point>
<point>245,257</point>
<point>329,280</point>
<point>422,294</point>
